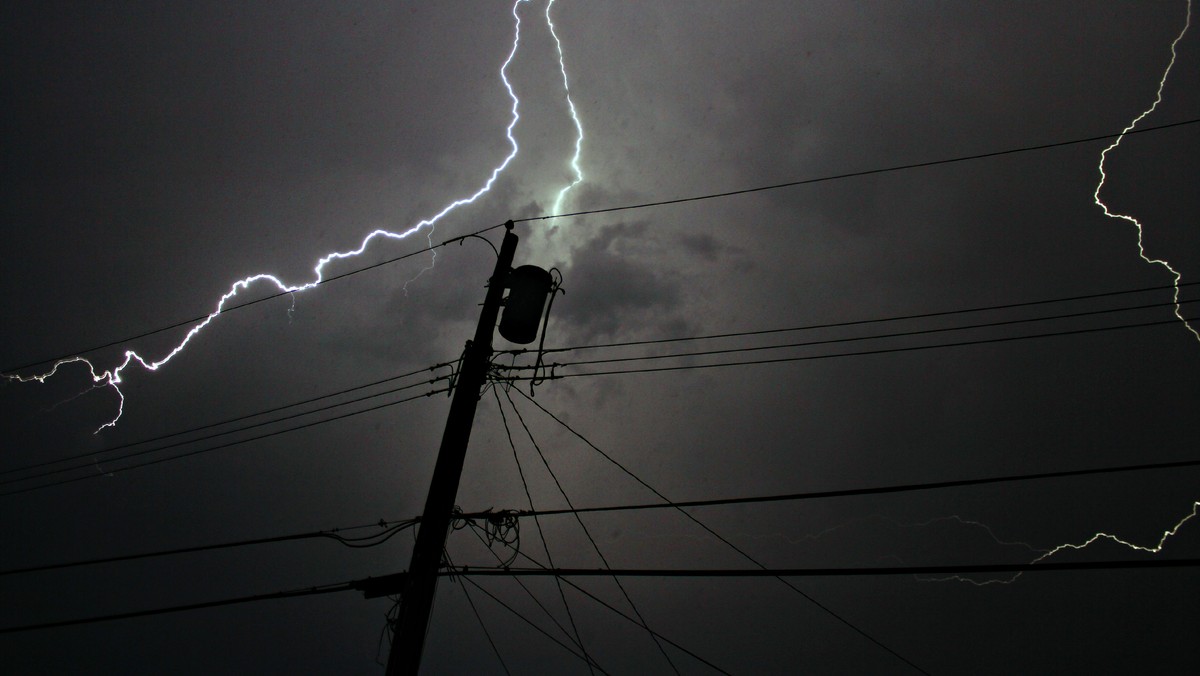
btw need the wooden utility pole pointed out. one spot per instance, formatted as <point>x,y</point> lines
<point>421,580</point>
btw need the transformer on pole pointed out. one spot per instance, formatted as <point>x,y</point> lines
<point>523,311</point>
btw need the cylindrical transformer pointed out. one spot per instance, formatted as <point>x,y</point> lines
<point>528,287</point>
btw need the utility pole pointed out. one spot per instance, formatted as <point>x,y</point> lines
<point>420,582</point>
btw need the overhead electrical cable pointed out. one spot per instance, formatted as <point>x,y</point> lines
<point>780,360</point>
<point>148,463</point>
<point>752,499</point>
<point>858,174</point>
<point>90,455</point>
<point>961,569</point>
<point>643,205</point>
<point>388,529</point>
<point>595,547</point>
<point>227,421</point>
<point>541,533</point>
<point>482,624</point>
<point>555,375</point>
<point>294,593</point>
<point>487,634</point>
<point>521,617</point>
<point>517,552</point>
<point>200,318</point>
<point>467,573</point>
<point>874,320</point>
<point>566,633</point>
<point>745,555</point>
<point>95,456</point>
<point>849,492</point>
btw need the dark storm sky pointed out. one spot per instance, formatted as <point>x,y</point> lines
<point>154,154</point>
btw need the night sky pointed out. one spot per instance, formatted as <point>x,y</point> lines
<point>154,154</point>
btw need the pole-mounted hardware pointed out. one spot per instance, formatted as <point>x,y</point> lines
<point>529,287</point>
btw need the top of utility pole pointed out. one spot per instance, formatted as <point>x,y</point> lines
<point>420,583</point>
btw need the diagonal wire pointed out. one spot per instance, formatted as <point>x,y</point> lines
<point>732,546</point>
<point>528,592</point>
<point>542,535</point>
<point>597,599</point>
<point>543,632</point>
<point>479,617</point>
<point>467,593</point>
<point>586,532</point>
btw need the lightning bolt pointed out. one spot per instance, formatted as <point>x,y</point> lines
<point>1103,536</point>
<point>557,208</point>
<point>113,377</point>
<point>1098,537</point>
<point>1103,177</point>
<point>1151,549</point>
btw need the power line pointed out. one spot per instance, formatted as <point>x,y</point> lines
<point>541,534</point>
<point>200,318</point>
<point>486,633</point>
<point>543,632</point>
<point>227,421</point>
<point>374,540</point>
<point>588,534</point>
<point>125,456</point>
<point>857,174</point>
<point>878,336</point>
<point>310,591</point>
<point>467,573</point>
<point>517,552</point>
<point>519,513</point>
<point>745,555</point>
<point>848,492</point>
<point>482,624</point>
<point>91,455</point>
<point>224,445</point>
<point>601,601</point>
<point>780,360</point>
<point>475,531</point>
<point>963,569</point>
<point>643,205</point>
<point>95,459</point>
<point>876,320</point>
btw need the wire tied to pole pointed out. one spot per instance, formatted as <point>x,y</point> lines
<point>501,526</point>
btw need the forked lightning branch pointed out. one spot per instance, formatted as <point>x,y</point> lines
<point>113,377</point>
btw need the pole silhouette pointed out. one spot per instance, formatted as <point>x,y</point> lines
<point>420,583</point>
